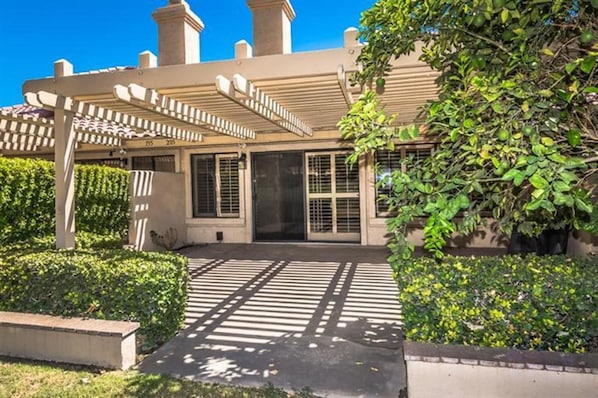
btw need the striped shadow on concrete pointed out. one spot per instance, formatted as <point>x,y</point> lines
<point>324,316</point>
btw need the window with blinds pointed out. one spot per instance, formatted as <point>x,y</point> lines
<point>228,184</point>
<point>320,180</point>
<point>389,161</point>
<point>215,185</point>
<point>164,163</point>
<point>110,162</point>
<point>346,175</point>
<point>333,197</point>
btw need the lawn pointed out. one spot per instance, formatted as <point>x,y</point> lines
<point>36,379</point>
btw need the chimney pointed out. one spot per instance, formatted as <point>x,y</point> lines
<point>178,34</point>
<point>271,26</point>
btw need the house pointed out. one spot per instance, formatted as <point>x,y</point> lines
<point>240,150</point>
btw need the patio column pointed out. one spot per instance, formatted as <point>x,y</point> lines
<point>64,161</point>
<point>64,164</point>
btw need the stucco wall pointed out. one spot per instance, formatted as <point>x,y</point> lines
<point>157,204</point>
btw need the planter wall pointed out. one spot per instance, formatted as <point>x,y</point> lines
<point>449,371</point>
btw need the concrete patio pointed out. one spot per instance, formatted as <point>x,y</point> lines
<point>296,315</point>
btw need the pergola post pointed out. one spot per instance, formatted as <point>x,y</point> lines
<point>64,160</point>
<point>65,140</point>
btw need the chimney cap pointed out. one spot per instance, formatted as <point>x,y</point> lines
<point>284,4</point>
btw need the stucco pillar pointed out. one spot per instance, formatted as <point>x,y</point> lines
<point>178,34</point>
<point>271,26</point>
<point>64,160</point>
<point>64,166</point>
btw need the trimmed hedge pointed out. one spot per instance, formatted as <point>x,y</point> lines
<point>150,288</point>
<point>27,199</point>
<point>544,303</point>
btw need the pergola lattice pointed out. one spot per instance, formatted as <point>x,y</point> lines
<point>299,94</point>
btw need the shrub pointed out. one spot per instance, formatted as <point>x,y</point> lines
<point>27,199</point>
<point>545,303</point>
<point>150,288</point>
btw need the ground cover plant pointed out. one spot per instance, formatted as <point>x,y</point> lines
<point>530,303</point>
<point>20,379</point>
<point>101,283</point>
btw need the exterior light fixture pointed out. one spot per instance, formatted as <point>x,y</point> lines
<point>242,161</point>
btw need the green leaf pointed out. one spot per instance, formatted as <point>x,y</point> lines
<point>574,138</point>
<point>538,149</point>
<point>547,141</point>
<point>463,201</point>
<point>521,161</point>
<point>560,199</point>
<point>588,64</point>
<point>504,15</point>
<point>546,93</point>
<point>570,67</point>
<point>454,134</point>
<point>511,174</point>
<point>498,108</point>
<point>547,51</point>
<point>583,205</point>
<point>567,176</point>
<point>538,181</point>
<point>575,163</point>
<point>413,131</point>
<point>518,179</point>
<point>533,205</point>
<point>538,193</point>
<point>542,104</point>
<point>548,206</point>
<point>561,186</point>
<point>557,158</point>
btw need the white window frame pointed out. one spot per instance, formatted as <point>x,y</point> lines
<point>218,213</point>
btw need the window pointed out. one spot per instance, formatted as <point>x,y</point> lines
<point>215,185</point>
<point>163,163</point>
<point>111,162</point>
<point>389,161</point>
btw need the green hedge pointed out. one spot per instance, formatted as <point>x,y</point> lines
<point>150,288</point>
<point>27,199</point>
<point>544,303</point>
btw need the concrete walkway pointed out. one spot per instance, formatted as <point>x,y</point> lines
<point>296,315</point>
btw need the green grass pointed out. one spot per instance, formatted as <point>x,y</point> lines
<point>36,379</point>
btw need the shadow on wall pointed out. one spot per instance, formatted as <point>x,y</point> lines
<point>157,204</point>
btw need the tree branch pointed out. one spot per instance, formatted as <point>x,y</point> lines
<point>484,38</point>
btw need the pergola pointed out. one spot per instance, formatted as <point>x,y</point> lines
<point>288,95</point>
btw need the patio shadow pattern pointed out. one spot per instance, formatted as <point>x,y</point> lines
<point>320,316</point>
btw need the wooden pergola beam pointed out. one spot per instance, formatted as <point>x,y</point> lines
<point>19,127</point>
<point>342,82</point>
<point>151,100</point>
<point>53,102</point>
<point>26,140</point>
<point>17,146</point>
<point>243,92</point>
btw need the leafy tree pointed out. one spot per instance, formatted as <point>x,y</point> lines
<point>516,118</point>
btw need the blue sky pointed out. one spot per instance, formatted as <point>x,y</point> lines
<point>100,34</point>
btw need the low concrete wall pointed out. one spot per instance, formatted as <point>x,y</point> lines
<point>582,243</point>
<point>109,344</point>
<point>157,204</point>
<point>452,371</point>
